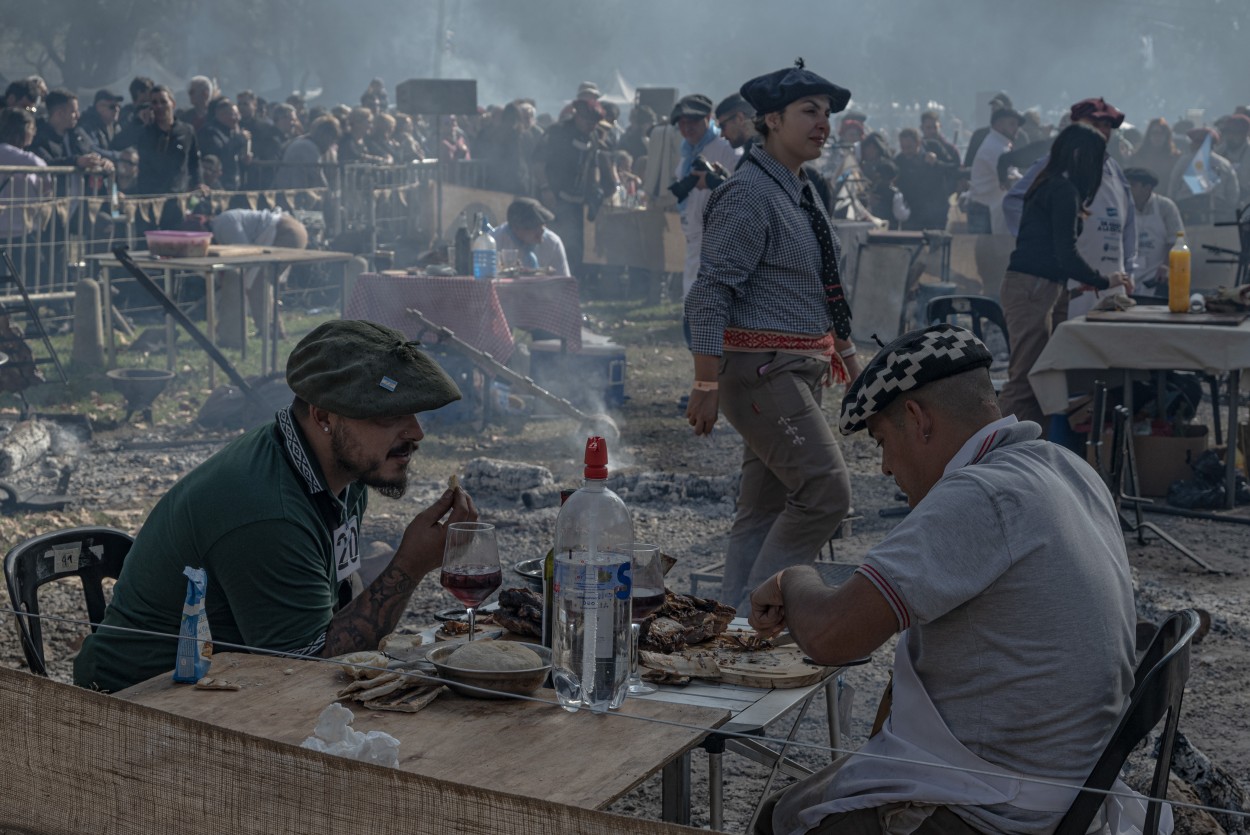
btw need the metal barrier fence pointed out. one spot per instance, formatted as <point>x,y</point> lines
<point>52,219</point>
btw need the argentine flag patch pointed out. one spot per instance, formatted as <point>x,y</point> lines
<point>388,384</point>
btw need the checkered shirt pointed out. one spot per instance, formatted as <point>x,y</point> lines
<point>760,267</point>
<point>907,363</point>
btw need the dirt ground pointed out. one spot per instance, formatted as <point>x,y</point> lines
<point>118,475</point>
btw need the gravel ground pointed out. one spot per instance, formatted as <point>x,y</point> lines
<point>117,476</point>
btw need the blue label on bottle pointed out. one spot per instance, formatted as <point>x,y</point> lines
<point>624,581</point>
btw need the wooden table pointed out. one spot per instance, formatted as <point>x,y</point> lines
<point>520,747</point>
<point>221,258</point>
<point>1081,345</point>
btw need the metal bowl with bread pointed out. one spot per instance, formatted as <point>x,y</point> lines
<point>493,684</point>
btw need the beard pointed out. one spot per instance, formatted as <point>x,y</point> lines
<point>349,457</point>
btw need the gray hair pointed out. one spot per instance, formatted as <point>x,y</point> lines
<point>201,81</point>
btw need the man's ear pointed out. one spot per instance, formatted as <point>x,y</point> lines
<point>918,420</point>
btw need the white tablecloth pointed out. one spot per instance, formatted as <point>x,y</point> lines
<point>1082,345</point>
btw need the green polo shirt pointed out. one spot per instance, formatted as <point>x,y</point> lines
<point>258,517</point>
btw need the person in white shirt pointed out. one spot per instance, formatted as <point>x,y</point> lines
<point>263,227</point>
<point>700,138</point>
<point>1010,589</point>
<point>985,194</point>
<point>526,232</point>
<point>1158,222</point>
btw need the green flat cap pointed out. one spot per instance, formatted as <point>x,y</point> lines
<point>359,369</point>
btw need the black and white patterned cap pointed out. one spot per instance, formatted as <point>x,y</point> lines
<point>909,362</point>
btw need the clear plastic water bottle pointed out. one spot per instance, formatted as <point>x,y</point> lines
<point>485,255</point>
<point>592,586</point>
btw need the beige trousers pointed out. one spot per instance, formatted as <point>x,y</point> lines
<point>795,488</point>
<point>1029,303</point>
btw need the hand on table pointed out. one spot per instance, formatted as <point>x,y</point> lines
<point>768,614</point>
<point>1122,280</point>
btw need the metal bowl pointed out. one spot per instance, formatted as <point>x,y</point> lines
<point>501,684</point>
<point>532,571</point>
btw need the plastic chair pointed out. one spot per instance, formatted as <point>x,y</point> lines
<point>89,553</point>
<point>1158,685</point>
<point>978,308</point>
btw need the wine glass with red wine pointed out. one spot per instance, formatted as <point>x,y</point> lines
<point>471,565</point>
<point>647,573</point>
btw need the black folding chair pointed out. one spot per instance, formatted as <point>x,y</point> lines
<point>89,553</point>
<point>1158,686</point>
<point>979,308</point>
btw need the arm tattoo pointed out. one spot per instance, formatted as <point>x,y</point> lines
<point>361,624</point>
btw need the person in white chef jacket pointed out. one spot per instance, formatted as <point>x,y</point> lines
<point>1158,222</point>
<point>1108,239</point>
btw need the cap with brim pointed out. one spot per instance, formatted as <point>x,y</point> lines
<point>360,369</point>
<point>772,92</point>
<point>913,360</point>
<point>694,106</point>
<point>106,95</point>
<point>588,88</point>
<point>1096,110</point>
<point>528,213</point>
<point>732,104</point>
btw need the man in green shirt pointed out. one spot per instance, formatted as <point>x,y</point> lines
<point>274,517</point>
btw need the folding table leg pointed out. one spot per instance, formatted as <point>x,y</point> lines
<point>716,783</point>
<point>675,790</point>
<point>833,688</point>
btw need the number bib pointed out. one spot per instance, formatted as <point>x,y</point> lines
<point>347,548</point>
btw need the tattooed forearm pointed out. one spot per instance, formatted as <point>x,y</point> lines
<point>361,624</point>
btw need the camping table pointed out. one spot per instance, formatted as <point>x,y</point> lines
<point>519,747</point>
<point>218,259</point>
<point>482,313</point>
<point>1079,344</point>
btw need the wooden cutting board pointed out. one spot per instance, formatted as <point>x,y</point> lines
<point>1157,314</point>
<point>777,668</point>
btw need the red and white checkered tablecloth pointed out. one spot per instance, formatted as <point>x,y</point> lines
<point>468,308</point>
<point>544,303</point>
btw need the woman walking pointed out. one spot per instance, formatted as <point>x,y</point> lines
<point>770,329</point>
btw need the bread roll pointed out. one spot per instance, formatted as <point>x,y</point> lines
<point>494,656</point>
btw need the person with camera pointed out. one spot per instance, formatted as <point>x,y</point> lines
<point>770,328</point>
<point>706,160</point>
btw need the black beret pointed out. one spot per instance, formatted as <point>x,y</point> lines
<point>909,362</point>
<point>359,369</point>
<point>772,92</point>
<point>695,105</point>
<point>734,103</point>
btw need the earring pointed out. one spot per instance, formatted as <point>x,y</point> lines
<point>325,427</point>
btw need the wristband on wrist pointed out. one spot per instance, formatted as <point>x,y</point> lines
<point>705,385</point>
<point>849,352</point>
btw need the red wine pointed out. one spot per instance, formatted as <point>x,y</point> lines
<point>471,584</point>
<point>645,602</point>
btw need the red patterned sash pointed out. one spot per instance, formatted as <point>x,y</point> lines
<point>751,340</point>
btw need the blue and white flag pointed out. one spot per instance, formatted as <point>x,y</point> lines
<point>1198,175</point>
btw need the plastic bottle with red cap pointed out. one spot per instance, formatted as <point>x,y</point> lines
<point>591,588</point>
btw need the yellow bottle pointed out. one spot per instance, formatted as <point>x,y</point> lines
<point>1178,276</point>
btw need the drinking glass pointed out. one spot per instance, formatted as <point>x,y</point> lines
<point>509,259</point>
<point>647,596</point>
<point>471,569</point>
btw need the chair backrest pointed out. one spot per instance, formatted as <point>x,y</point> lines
<point>979,308</point>
<point>90,553</point>
<point>1158,685</point>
